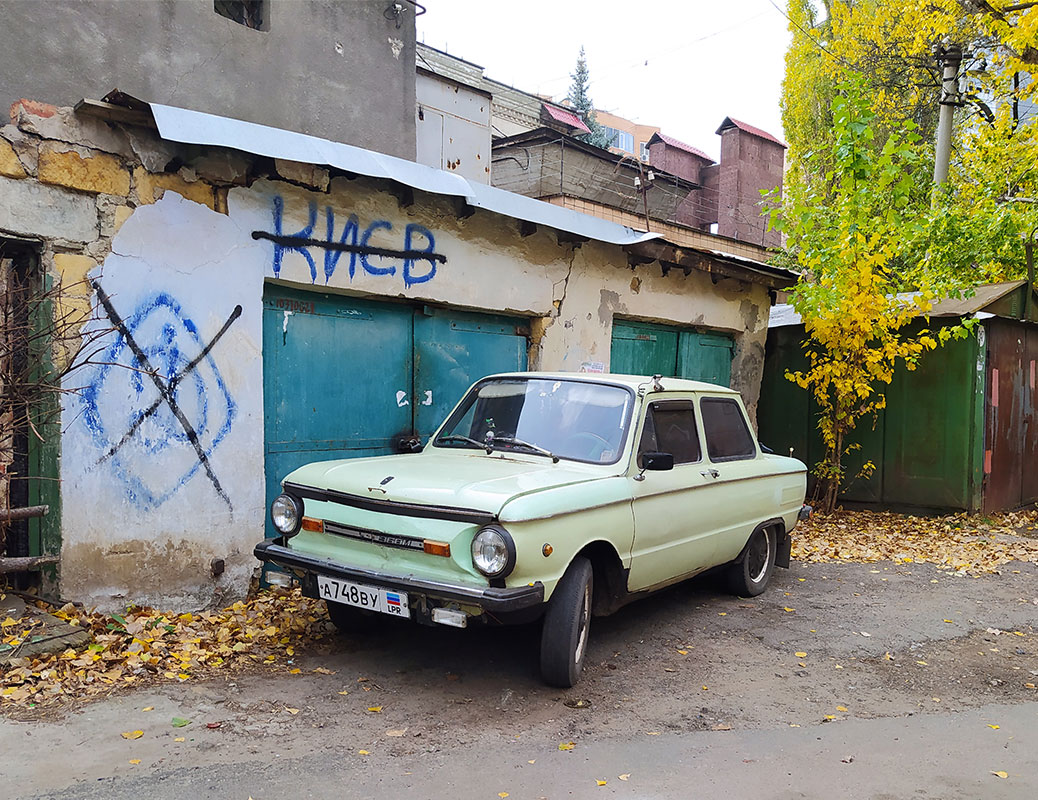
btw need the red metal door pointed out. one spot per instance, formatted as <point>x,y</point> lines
<point>1004,456</point>
<point>1029,463</point>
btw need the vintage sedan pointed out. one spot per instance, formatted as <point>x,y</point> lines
<point>552,496</point>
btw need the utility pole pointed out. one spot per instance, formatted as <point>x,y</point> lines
<point>951,57</point>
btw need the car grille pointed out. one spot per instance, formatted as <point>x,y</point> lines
<point>377,537</point>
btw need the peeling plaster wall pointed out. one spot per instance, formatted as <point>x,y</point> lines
<point>161,477</point>
<point>598,291</point>
<point>153,476</point>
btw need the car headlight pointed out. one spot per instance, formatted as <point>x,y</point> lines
<point>493,551</point>
<point>286,512</point>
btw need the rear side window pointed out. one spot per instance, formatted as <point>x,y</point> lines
<point>727,435</point>
<point>670,427</point>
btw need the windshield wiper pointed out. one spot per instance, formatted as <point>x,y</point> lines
<point>535,448</point>
<point>457,437</point>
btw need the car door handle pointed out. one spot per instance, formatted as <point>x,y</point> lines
<point>710,473</point>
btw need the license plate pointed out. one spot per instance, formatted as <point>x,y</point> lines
<point>372,598</point>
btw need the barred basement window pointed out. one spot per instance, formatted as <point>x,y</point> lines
<point>250,13</point>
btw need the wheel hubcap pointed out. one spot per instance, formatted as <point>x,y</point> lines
<point>757,555</point>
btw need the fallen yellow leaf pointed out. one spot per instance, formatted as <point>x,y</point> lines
<point>295,671</point>
<point>502,794</point>
<point>799,654</point>
<point>180,739</point>
<point>625,776</point>
<point>132,734</point>
<point>1001,774</point>
<point>993,727</point>
<point>922,663</point>
<point>704,687</point>
<point>722,613</point>
<point>363,753</point>
<point>342,692</point>
<point>135,761</point>
<point>375,709</point>
<point>787,609</point>
<point>601,783</point>
<point>683,652</point>
<point>566,746</point>
<point>841,708</point>
<point>292,711</point>
<point>532,761</point>
<point>950,622</point>
<point>149,708</point>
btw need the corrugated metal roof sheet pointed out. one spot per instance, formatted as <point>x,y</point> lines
<point>783,314</point>
<point>566,118</point>
<point>196,127</point>
<point>670,140</point>
<point>730,122</point>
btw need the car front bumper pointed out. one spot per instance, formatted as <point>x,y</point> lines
<point>490,599</point>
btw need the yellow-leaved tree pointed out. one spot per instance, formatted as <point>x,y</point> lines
<point>980,216</point>
<point>846,231</point>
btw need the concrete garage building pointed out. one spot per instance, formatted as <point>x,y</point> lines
<point>257,298</point>
<point>263,312</point>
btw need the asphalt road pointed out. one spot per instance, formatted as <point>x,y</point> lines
<point>858,681</point>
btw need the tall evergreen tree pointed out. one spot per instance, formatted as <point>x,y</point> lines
<point>581,101</point>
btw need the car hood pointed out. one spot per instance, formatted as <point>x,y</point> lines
<point>459,479</point>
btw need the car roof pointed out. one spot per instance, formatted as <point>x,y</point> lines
<point>629,381</point>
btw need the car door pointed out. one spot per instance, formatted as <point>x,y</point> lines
<point>670,539</point>
<point>741,497</point>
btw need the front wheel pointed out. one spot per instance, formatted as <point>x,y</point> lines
<point>566,625</point>
<point>749,575</point>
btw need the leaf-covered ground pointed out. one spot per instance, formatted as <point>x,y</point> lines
<point>970,544</point>
<point>145,646</point>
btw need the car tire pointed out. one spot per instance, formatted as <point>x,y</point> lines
<point>348,619</point>
<point>749,574</point>
<point>567,623</point>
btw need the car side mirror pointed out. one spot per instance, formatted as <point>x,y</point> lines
<point>657,462</point>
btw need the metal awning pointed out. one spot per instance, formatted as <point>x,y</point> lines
<point>195,127</point>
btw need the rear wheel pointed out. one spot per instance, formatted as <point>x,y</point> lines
<point>566,625</point>
<point>749,575</point>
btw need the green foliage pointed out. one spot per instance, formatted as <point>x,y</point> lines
<point>890,43</point>
<point>580,100</point>
<point>847,228</point>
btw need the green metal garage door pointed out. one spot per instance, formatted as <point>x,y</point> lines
<point>640,348</point>
<point>345,377</point>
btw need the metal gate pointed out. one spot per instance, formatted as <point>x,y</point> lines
<point>641,348</point>
<point>1011,440</point>
<point>345,377</point>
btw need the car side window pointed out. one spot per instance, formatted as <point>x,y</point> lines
<point>727,435</point>
<point>670,427</point>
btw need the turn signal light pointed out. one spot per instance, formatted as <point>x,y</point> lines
<point>311,524</point>
<point>436,548</point>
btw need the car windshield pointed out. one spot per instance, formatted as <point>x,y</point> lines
<point>575,420</point>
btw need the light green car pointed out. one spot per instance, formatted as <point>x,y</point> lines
<point>544,495</point>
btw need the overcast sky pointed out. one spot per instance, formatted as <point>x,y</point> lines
<point>683,65</point>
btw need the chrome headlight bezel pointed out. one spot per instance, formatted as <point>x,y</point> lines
<point>282,500</point>
<point>501,540</point>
